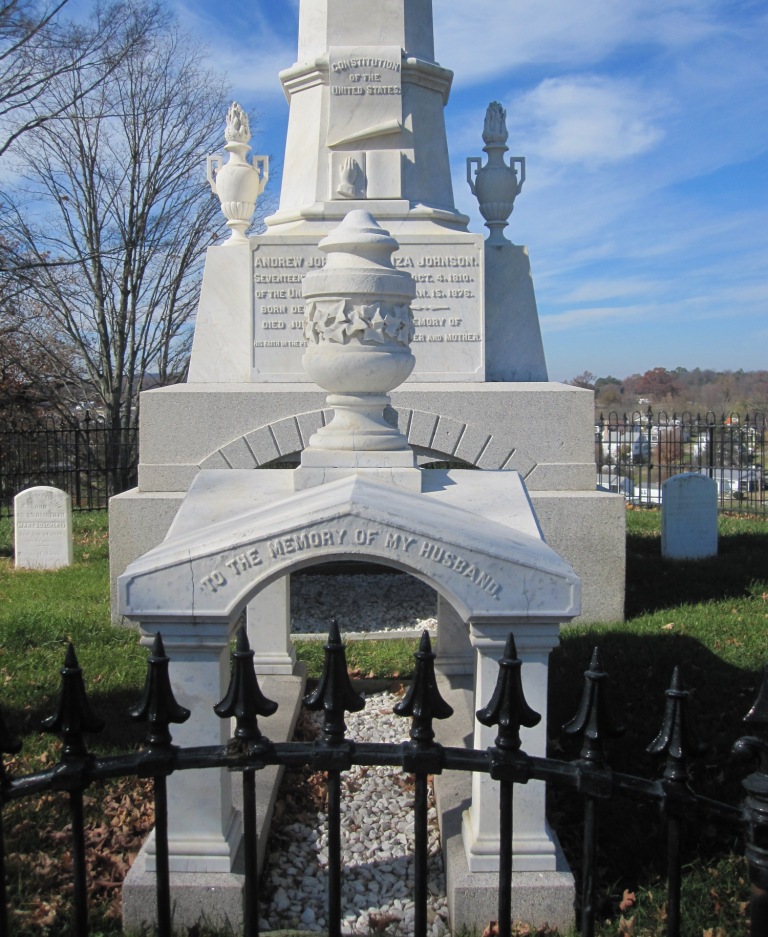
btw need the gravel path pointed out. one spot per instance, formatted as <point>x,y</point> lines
<point>362,603</point>
<point>377,843</point>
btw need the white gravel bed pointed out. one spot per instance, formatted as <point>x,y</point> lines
<point>362,603</point>
<point>377,847</point>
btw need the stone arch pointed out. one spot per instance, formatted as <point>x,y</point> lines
<point>485,569</point>
<point>478,444</point>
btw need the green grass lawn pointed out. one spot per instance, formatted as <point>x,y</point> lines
<point>711,617</point>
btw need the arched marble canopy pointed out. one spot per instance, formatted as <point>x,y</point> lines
<point>487,569</point>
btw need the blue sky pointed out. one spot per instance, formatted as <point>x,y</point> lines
<point>644,124</point>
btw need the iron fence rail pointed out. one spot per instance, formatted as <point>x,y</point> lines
<point>85,458</point>
<point>249,751</point>
<point>636,452</point>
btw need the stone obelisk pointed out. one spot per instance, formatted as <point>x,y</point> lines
<point>366,127</point>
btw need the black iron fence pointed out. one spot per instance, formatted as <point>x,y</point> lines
<point>635,453</point>
<point>86,458</point>
<point>249,751</point>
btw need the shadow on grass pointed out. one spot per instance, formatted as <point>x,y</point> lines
<point>654,583</point>
<point>120,733</point>
<point>632,839</point>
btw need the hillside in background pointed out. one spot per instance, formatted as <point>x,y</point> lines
<point>681,390</point>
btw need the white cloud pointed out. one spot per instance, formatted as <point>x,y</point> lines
<point>587,119</point>
<point>492,37</point>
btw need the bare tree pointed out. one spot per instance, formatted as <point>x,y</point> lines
<point>38,49</point>
<point>109,241</point>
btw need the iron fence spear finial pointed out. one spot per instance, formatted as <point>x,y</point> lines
<point>423,701</point>
<point>244,699</point>
<point>676,739</point>
<point>334,693</point>
<point>508,708</point>
<point>593,721</point>
<point>74,715</point>
<point>158,705</point>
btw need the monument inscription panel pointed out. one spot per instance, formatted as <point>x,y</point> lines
<point>366,92</point>
<point>447,310</point>
<point>42,518</point>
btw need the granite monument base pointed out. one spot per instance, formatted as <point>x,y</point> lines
<point>543,430</point>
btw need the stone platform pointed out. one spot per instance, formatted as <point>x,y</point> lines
<point>538,897</point>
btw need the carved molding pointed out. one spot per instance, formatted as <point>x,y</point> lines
<point>440,437</point>
<point>341,321</point>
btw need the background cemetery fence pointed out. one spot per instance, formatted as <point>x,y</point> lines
<point>84,457</point>
<point>248,751</point>
<point>636,452</point>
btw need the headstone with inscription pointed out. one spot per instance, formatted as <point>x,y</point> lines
<point>689,517</point>
<point>42,523</point>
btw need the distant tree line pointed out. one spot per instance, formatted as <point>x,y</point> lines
<point>696,391</point>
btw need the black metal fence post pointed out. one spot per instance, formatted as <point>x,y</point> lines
<point>73,718</point>
<point>677,741</point>
<point>244,701</point>
<point>594,724</point>
<point>9,745</point>
<point>335,696</point>
<point>756,810</point>
<point>158,706</point>
<point>422,703</point>
<point>509,711</point>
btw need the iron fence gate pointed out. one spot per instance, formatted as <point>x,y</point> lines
<point>249,751</point>
<point>635,453</point>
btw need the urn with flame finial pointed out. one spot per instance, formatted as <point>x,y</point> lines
<point>496,185</point>
<point>237,182</point>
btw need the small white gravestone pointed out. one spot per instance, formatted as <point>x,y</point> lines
<point>689,517</point>
<point>43,528</point>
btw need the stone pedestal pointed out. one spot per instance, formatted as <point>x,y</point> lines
<point>537,896</point>
<point>205,835</point>
<point>544,431</point>
<point>534,847</point>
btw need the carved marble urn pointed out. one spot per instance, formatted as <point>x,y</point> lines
<point>237,182</point>
<point>496,185</point>
<point>359,327</point>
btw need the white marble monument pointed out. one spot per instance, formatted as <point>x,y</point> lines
<point>357,494</point>
<point>366,130</point>
<point>367,134</point>
<point>42,526</point>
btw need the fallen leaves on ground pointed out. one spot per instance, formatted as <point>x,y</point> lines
<point>117,822</point>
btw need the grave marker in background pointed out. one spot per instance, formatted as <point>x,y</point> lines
<point>689,517</point>
<point>42,521</point>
